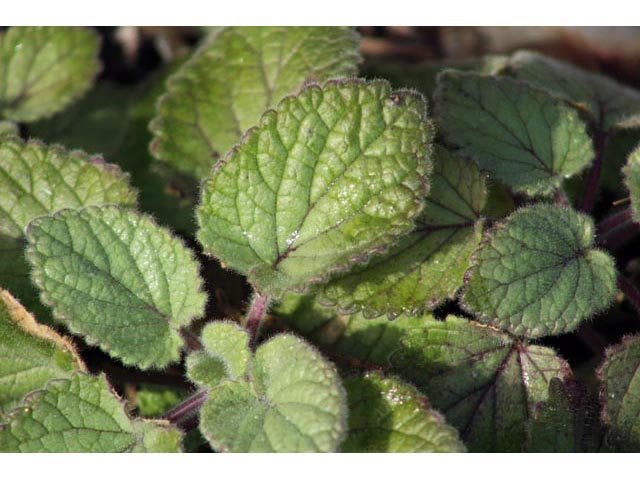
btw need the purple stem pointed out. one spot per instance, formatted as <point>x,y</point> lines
<point>614,239</point>
<point>183,413</point>
<point>589,198</point>
<point>560,198</point>
<point>192,342</point>
<point>614,221</point>
<point>255,315</point>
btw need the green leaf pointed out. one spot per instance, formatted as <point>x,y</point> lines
<point>422,76</point>
<point>97,123</point>
<point>565,422</point>
<point>116,278</point>
<point>32,354</point>
<point>293,401</point>
<point>235,76</point>
<point>538,274</point>
<point>389,415</point>
<point>156,400</point>
<point>113,121</point>
<point>38,180</point>
<point>353,340</point>
<point>620,394</point>
<point>226,354</point>
<point>8,128</point>
<point>43,69</point>
<point>486,383</point>
<point>427,266</point>
<point>156,436</point>
<point>14,276</point>
<point>608,103</point>
<point>331,176</point>
<point>521,135</point>
<point>80,414</point>
<point>632,181</point>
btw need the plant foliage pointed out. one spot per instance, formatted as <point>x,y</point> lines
<point>419,247</point>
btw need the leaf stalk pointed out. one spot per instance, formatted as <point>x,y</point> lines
<point>255,315</point>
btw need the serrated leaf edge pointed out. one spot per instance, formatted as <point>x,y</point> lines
<point>59,315</point>
<point>388,238</point>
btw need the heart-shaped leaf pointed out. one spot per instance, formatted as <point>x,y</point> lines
<point>115,277</point>
<point>387,415</point>
<point>81,414</point>
<point>485,382</point>
<point>332,175</point>
<point>521,135</point>
<point>43,69</point>
<point>539,274</point>
<point>235,76</point>
<point>293,401</point>
<point>428,265</point>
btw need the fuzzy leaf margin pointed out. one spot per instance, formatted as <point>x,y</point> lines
<point>82,415</point>
<point>115,277</point>
<point>539,274</point>
<point>293,401</point>
<point>331,176</point>
<point>521,135</point>
<point>43,69</point>
<point>427,266</point>
<point>237,74</point>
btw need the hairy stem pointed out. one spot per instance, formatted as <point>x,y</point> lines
<point>593,182</point>
<point>614,221</point>
<point>184,414</point>
<point>616,238</point>
<point>255,315</point>
<point>190,339</point>
<point>630,291</point>
<point>560,198</point>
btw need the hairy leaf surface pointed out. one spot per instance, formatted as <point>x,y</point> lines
<point>632,181</point>
<point>428,265</point>
<point>293,401</point>
<point>226,354</point>
<point>539,274</point>
<point>521,135</point>
<point>37,180</point>
<point>331,176</point>
<point>118,279</point>
<point>43,69</point>
<point>620,395</point>
<point>81,414</point>
<point>234,77</point>
<point>97,123</point>
<point>565,422</point>
<point>8,128</point>
<point>486,383</point>
<point>32,354</point>
<point>389,415</point>
<point>607,102</point>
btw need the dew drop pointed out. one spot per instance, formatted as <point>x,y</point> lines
<point>292,238</point>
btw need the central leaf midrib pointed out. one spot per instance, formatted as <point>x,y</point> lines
<point>109,277</point>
